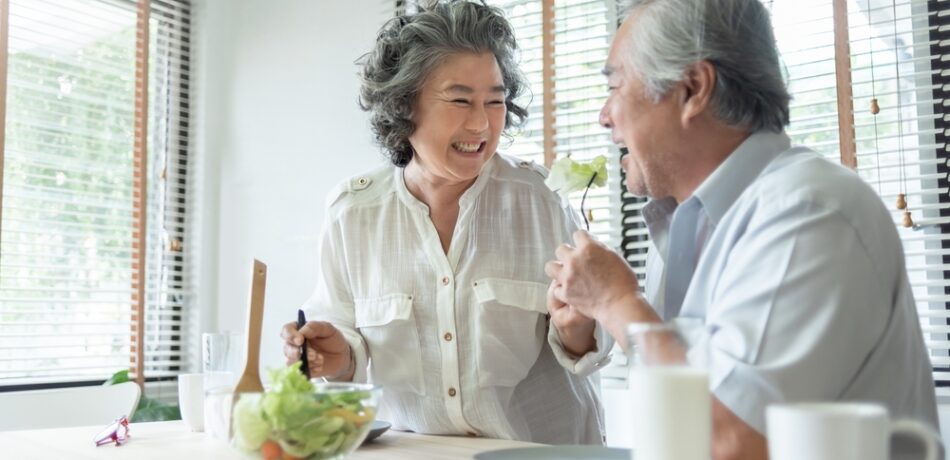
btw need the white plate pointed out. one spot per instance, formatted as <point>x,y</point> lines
<point>557,453</point>
<point>376,430</point>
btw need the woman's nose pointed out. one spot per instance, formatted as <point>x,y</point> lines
<point>477,120</point>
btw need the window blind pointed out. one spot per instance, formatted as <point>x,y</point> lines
<point>582,31</point>
<point>527,20</point>
<point>67,234</point>
<point>899,56</point>
<point>171,326</point>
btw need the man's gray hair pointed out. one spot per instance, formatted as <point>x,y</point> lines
<point>410,47</point>
<point>734,35</point>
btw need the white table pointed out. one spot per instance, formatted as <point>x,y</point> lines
<point>173,440</point>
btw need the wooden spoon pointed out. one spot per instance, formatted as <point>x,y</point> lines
<point>251,377</point>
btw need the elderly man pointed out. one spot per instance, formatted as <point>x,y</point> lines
<point>789,263</point>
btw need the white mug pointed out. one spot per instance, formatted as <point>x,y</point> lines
<point>191,394</point>
<point>839,431</point>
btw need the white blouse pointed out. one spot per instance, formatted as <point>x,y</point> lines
<point>460,342</point>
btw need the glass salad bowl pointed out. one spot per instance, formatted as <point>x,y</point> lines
<point>295,418</point>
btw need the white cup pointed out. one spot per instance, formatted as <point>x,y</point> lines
<point>191,394</point>
<point>670,400</point>
<point>839,431</point>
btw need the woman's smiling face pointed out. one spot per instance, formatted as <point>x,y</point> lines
<point>459,116</point>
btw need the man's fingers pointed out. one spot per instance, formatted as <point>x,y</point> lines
<point>554,303</point>
<point>558,292</point>
<point>553,269</point>
<point>563,252</point>
<point>582,238</point>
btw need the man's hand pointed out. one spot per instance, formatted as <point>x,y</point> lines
<point>591,277</point>
<point>597,283</point>
<point>575,330</point>
<point>328,353</point>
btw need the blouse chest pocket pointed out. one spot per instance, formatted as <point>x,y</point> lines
<point>389,329</point>
<point>510,329</point>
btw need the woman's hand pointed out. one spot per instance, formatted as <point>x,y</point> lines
<point>328,353</point>
<point>575,330</point>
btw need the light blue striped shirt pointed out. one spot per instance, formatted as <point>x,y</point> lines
<point>792,274</point>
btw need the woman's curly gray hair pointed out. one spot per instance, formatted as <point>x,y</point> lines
<point>410,47</point>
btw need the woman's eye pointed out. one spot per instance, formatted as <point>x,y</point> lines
<point>459,101</point>
<point>496,103</point>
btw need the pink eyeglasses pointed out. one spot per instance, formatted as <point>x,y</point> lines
<point>117,432</point>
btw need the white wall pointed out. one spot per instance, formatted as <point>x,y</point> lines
<point>281,127</point>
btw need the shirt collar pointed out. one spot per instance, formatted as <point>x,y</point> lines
<point>722,188</point>
<point>468,196</point>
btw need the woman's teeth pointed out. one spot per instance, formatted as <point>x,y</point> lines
<point>468,148</point>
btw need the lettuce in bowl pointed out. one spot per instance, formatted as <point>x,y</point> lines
<point>295,418</point>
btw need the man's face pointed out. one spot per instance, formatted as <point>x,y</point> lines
<point>648,130</point>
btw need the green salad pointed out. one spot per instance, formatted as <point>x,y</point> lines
<point>290,420</point>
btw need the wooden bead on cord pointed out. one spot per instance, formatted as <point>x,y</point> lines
<point>908,221</point>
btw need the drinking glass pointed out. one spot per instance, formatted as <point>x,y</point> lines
<point>222,354</point>
<point>670,399</point>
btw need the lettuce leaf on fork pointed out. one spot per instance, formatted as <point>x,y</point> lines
<point>568,176</point>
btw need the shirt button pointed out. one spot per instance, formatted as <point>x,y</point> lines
<point>445,280</point>
<point>452,392</point>
<point>447,336</point>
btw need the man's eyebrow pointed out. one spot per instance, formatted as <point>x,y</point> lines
<point>607,70</point>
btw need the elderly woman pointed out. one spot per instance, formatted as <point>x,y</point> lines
<point>432,268</point>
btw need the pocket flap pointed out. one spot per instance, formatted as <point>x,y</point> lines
<point>383,310</point>
<point>526,295</point>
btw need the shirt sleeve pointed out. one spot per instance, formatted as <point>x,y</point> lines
<point>592,361</point>
<point>597,358</point>
<point>794,315</point>
<point>332,300</point>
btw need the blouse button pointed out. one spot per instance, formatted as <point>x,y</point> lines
<point>447,336</point>
<point>361,183</point>
<point>452,392</point>
<point>445,280</point>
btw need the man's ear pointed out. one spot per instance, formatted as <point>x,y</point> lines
<point>698,85</point>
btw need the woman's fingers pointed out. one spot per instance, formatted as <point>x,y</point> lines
<point>318,330</point>
<point>291,335</point>
<point>292,352</point>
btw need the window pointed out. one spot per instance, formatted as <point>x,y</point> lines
<point>74,263</point>
<point>899,52</point>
